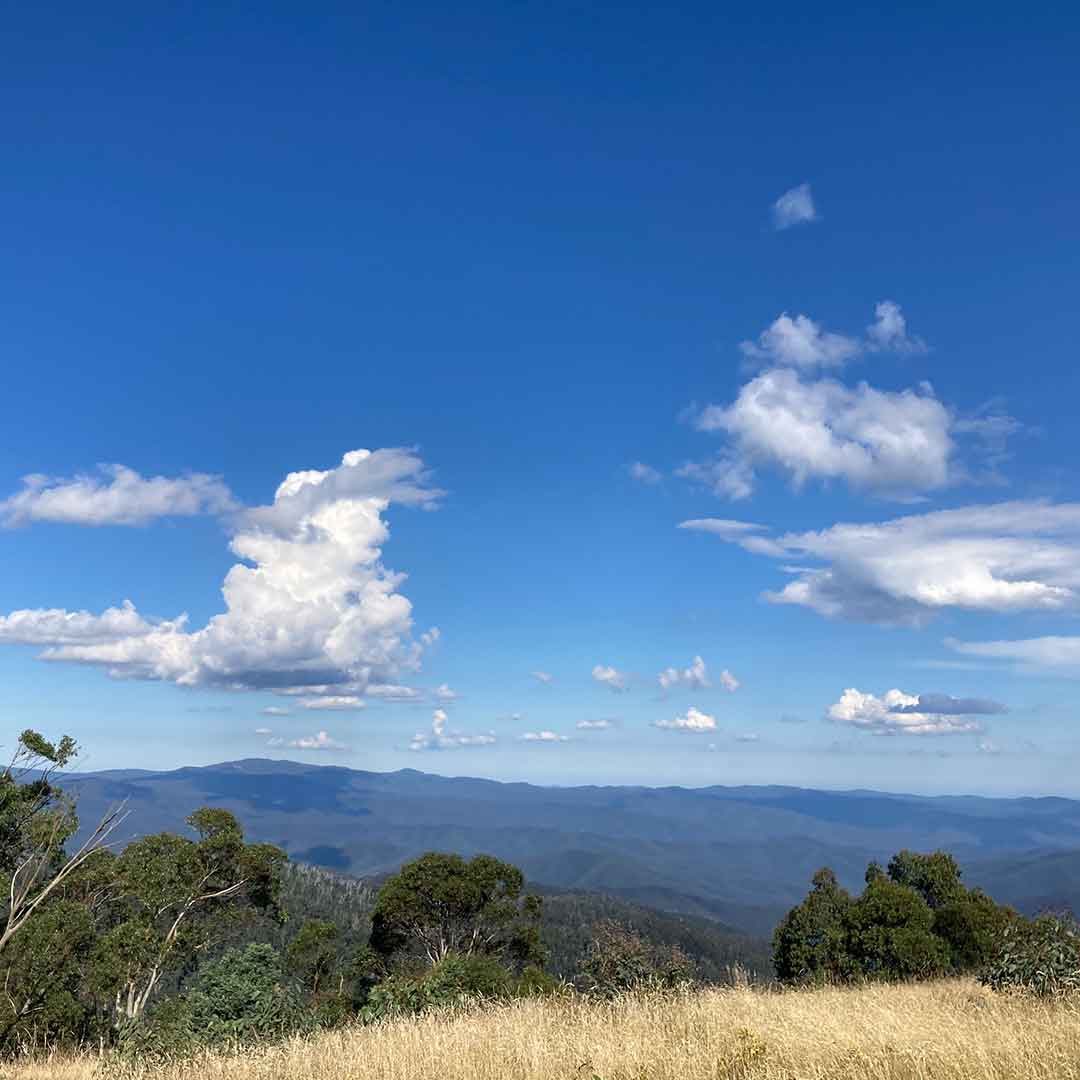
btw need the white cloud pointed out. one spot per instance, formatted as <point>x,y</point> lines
<point>319,741</point>
<point>611,678</point>
<point>692,720</point>
<point>440,738</point>
<point>392,692</point>
<point>334,703</point>
<point>987,746</point>
<point>895,444</point>
<point>888,331</point>
<point>725,476</point>
<point>801,343</point>
<point>118,496</point>
<point>644,474</point>
<point>275,710</point>
<point>897,713</point>
<point>308,607</point>
<point>794,207</point>
<point>1001,557</point>
<point>445,694</point>
<point>695,677</point>
<point>1051,653</point>
<point>263,731</point>
<point>544,737</point>
<point>429,637</point>
<point>54,626</point>
<point>595,725</point>
<point>543,676</point>
<point>729,682</point>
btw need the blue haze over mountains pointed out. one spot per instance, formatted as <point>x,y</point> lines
<point>740,855</point>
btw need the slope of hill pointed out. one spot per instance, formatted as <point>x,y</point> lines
<point>741,855</point>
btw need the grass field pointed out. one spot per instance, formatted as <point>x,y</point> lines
<point>941,1031</point>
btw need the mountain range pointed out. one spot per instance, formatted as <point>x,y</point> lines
<point>740,855</point>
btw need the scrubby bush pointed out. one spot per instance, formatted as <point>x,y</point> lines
<point>619,960</point>
<point>1040,956</point>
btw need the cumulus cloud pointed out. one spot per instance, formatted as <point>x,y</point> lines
<point>116,496</point>
<point>888,331</point>
<point>729,682</point>
<point>695,677</point>
<point>897,444</point>
<point>614,680</point>
<point>54,626</point>
<point>644,474</point>
<point>441,738</point>
<point>691,720</point>
<point>544,737</point>
<point>543,676</point>
<point>321,740</point>
<point>309,606</point>
<point>800,342</point>
<point>892,443</point>
<point>794,207</point>
<point>897,713</point>
<point>595,725</point>
<point>1000,557</point>
<point>445,694</point>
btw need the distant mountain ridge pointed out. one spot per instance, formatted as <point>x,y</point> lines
<point>741,855</point>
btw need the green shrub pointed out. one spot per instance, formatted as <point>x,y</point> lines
<point>1039,956</point>
<point>240,999</point>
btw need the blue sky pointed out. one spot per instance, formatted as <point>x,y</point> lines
<point>815,270</point>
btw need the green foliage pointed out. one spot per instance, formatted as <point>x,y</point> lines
<point>176,896</point>
<point>619,960</point>
<point>44,1000</point>
<point>312,954</point>
<point>972,925</point>
<point>935,877</point>
<point>810,944</point>
<point>915,920</point>
<point>1039,956</point>
<point>240,999</point>
<point>888,934</point>
<point>440,903</point>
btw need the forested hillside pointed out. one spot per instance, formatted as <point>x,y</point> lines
<point>740,855</point>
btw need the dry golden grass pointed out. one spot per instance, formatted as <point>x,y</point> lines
<point>943,1031</point>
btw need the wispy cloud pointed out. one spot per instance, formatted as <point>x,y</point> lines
<point>644,474</point>
<point>610,677</point>
<point>544,677</point>
<point>1002,557</point>
<point>544,737</point>
<point>794,207</point>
